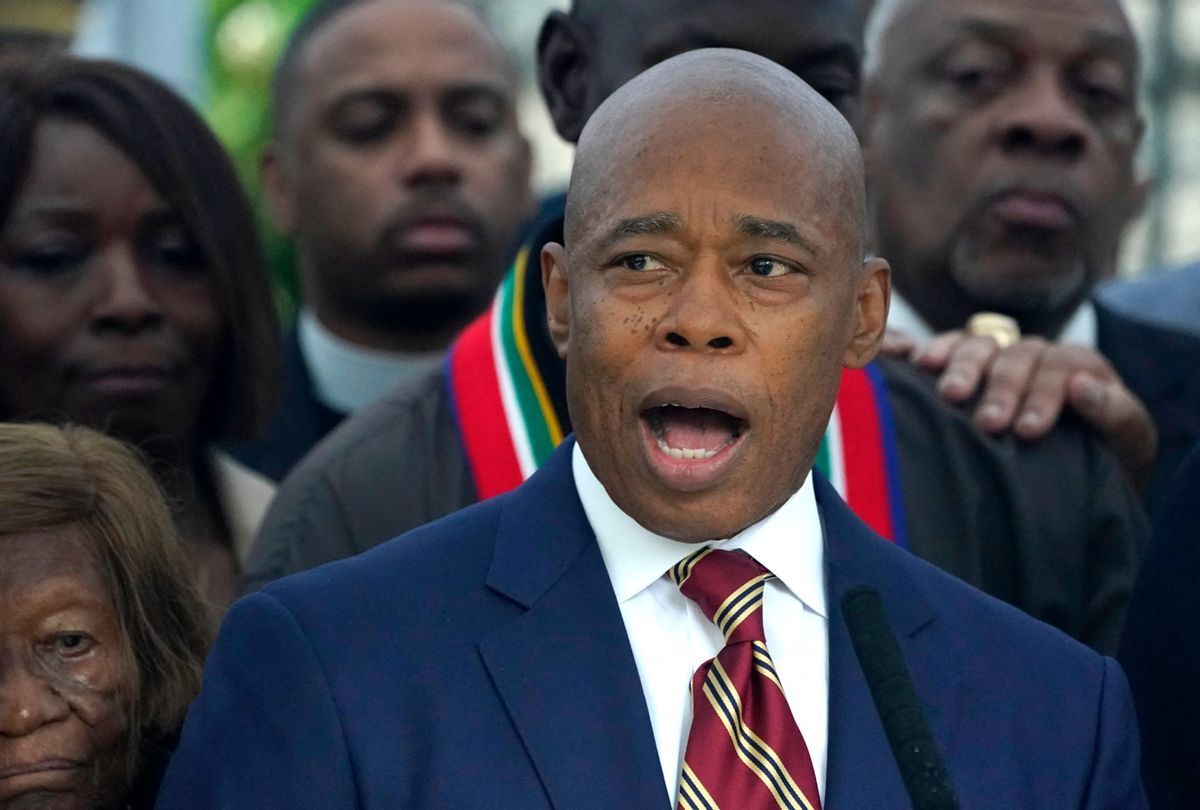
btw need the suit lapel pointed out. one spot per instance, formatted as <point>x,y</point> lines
<point>862,770</point>
<point>564,668</point>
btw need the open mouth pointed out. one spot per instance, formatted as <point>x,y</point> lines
<point>692,433</point>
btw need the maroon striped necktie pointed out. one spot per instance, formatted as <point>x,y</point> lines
<point>744,750</point>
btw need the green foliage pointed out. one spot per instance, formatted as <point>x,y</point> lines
<point>245,38</point>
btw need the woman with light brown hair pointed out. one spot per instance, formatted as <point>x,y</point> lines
<point>102,631</point>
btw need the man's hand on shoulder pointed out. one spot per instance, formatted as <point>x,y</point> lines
<point>1024,387</point>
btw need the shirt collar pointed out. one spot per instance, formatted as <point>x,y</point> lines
<point>1080,329</point>
<point>788,542</point>
<point>346,376</point>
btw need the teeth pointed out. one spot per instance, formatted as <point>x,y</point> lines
<point>685,452</point>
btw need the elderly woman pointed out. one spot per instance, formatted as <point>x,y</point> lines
<point>133,297</point>
<point>102,632</point>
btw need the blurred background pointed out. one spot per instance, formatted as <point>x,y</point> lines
<point>220,53</point>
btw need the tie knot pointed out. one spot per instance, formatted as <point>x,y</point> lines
<point>728,587</point>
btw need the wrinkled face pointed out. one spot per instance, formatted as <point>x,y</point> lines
<point>107,315</point>
<point>401,172</point>
<point>818,40</point>
<point>705,305</point>
<point>1000,155</point>
<point>64,686</point>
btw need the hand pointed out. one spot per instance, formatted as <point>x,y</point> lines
<point>1026,385</point>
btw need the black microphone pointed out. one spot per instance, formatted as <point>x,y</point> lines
<point>891,687</point>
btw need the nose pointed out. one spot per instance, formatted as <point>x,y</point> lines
<point>703,314</point>
<point>125,301</point>
<point>432,155</point>
<point>1044,121</point>
<point>27,702</point>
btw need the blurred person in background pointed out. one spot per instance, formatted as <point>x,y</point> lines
<point>133,297</point>
<point>1050,526</point>
<point>398,170</point>
<point>102,632</point>
<point>1000,140</point>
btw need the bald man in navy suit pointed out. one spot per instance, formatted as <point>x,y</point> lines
<point>531,651</point>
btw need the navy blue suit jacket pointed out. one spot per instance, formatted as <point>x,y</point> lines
<point>481,661</point>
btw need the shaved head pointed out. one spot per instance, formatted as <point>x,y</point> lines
<point>716,92</point>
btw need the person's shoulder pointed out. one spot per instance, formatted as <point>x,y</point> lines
<point>1132,336</point>
<point>1168,298</point>
<point>377,430</point>
<point>361,466</point>
<point>399,580</point>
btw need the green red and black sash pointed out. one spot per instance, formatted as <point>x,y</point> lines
<point>509,424</point>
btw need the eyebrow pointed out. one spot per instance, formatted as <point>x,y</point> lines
<point>655,224</point>
<point>1102,41</point>
<point>749,225</point>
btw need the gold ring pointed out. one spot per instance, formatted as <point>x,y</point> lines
<point>1000,328</point>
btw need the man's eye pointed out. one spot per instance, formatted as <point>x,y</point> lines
<point>833,84</point>
<point>364,120</point>
<point>977,69</point>
<point>1103,91</point>
<point>641,262</point>
<point>975,79</point>
<point>767,267</point>
<point>477,119</point>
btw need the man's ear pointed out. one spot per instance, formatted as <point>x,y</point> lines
<point>871,310</point>
<point>276,188</point>
<point>564,60</point>
<point>557,289</point>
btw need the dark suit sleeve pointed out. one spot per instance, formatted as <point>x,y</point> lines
<point>264,732</point>
<point>1116,779</point>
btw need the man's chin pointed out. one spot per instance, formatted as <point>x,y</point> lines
<point>428,308</point>
<point>1020,285</point>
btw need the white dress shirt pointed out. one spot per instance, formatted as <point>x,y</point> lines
<point>671,637</point>
<point>346,376</point>
<point>1080,330</point>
